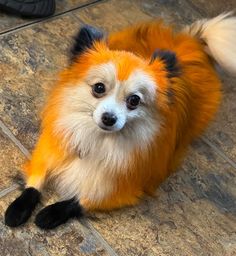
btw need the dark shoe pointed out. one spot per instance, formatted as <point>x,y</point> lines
<point>29,8</point>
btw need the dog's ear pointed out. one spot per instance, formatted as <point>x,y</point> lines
<point>84,40</point>
<point>170,60</point>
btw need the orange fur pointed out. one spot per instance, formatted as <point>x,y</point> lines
<point>197,96</point>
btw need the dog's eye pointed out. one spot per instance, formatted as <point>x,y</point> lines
<point>132,102</point>
<point>99,89</point>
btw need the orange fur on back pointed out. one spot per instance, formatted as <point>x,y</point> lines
<point>196,96</point>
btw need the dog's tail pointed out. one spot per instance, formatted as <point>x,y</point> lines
<point>219,37</point>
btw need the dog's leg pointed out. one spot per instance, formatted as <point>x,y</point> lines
<point>21,209</point>
<point>56,214</point>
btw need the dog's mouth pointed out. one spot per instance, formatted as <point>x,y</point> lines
<point>110,129</point>
<point>107,129</point>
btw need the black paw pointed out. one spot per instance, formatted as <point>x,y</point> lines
<point>21,209</point>
<point>59,213</point>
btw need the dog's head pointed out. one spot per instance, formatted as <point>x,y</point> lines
<point>109,93</point>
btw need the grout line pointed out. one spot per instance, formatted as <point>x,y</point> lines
<point>98,236</point>
<point>56,16</point>
<point>11,136</point>
<point>218,151</point>
<point>8,190</point>
<point>6,131</point>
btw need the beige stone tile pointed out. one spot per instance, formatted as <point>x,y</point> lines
<point>30,61</point>
<point>66,5</point>
<point>9,22</point>
<point>114,15</point>
<point>10,161</point>
<point>193,214</point>
<point>178,13</point>
<point>67,240</point>
<point>222,132</point>
<point>213,7</point>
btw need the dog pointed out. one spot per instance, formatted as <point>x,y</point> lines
<point>123,114</point>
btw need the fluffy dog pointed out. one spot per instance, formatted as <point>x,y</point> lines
<point>122,115</point>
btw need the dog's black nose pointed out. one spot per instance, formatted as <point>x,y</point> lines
<point>109,119</point>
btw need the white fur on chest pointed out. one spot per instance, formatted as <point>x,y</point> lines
<point>84,179</point>
<point>104,158</point>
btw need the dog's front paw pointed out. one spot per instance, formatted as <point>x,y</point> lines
<point>59,213</point>
<point>21,209</point>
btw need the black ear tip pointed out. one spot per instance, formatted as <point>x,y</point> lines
<point>170,60</point>
<point>84,40</point>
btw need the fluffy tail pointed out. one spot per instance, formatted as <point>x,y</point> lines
<point>219,37</point>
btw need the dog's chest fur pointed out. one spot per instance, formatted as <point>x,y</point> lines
<point>92,176</point>
<point>84,179</point>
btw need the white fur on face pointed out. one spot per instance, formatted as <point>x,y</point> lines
<point>138,83</point>
<point>81,112</point>
<point>101,154</point>
<point>111,105</point>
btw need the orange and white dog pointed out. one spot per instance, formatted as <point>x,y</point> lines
<point>122,115</point>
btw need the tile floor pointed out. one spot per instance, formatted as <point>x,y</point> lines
<point>195,210</point>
